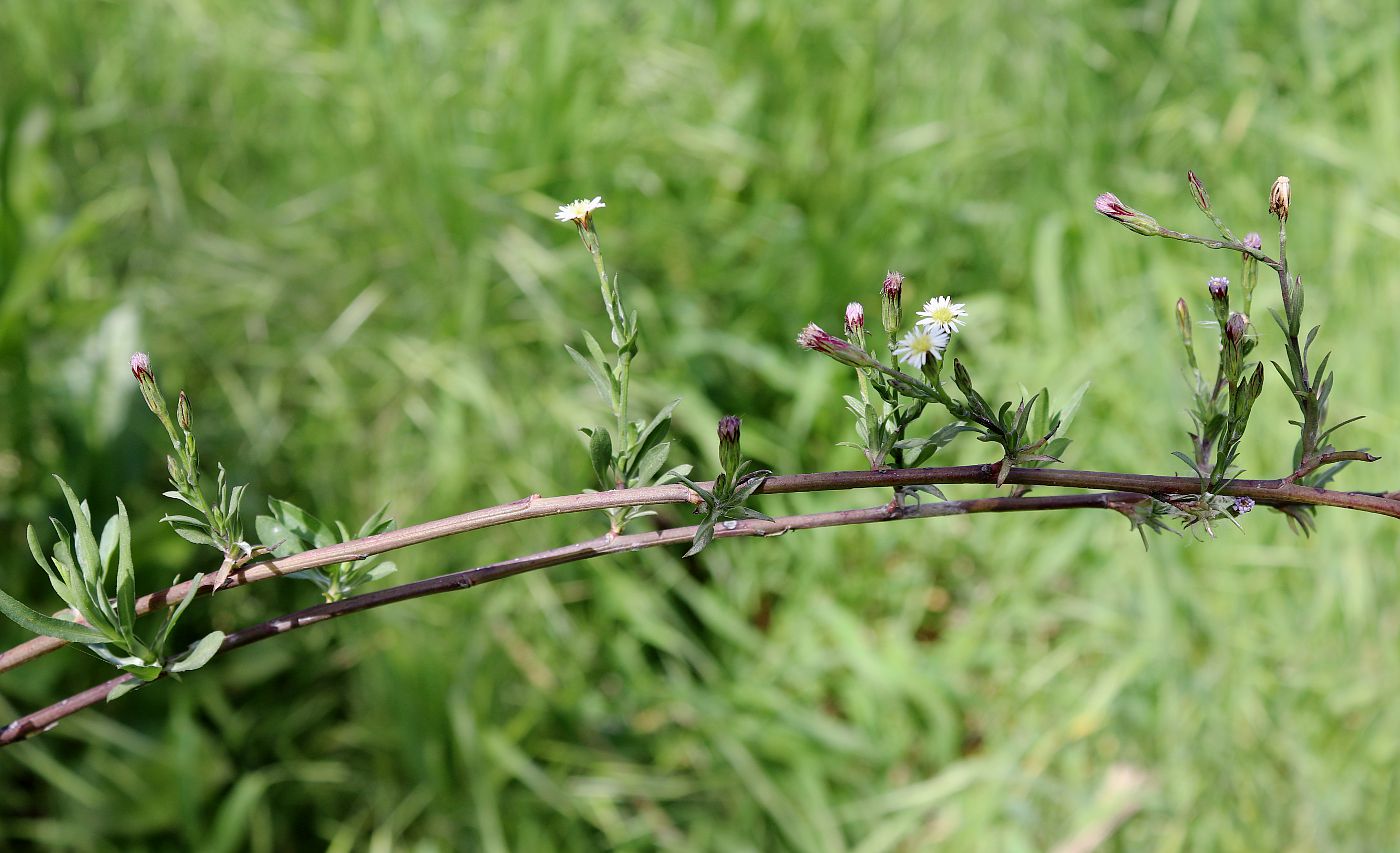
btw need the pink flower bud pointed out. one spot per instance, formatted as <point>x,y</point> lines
<point>1219,287</point>
<point>1252,240</point>
<point>141,366</point>
<point>855,318</point>
<point>1109,205</point>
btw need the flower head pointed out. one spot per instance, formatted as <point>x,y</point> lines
<point>1279,196</point>
<point>1243,505</point>
<point>140,366</point>
<point>915,348</point>
<point>855,318</point>
<point>1109,205</point>
<point>943,313</point>
<point>1219,287</point>
<point>579,211</point>
<point>1252,240</point>
<point>815,338</point>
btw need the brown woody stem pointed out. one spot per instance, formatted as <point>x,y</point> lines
<point>1280,491</point>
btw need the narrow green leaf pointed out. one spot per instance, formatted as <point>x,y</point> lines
<point>174,616</point>
<point>275,535</point>
<point>600,453</point>
<point>89,560</point>
<point>37,623</point>
<point>200,653</point>
<point>124,688</point>
<point>600,384</point>
<point>126,577</point>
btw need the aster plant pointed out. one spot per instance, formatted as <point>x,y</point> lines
<point>913,395</point>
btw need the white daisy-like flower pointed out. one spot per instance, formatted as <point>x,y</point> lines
<point>579,210</point>
<point>942,312</point>
<point>915,347</point>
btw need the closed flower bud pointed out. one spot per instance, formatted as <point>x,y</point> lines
<point>1183,328</point>
<point>729,457</point>
<point>1235,328</point>
<point>1198,191</point>
<point>1109,205</point>
<point>183,416</point>
<point>815,338</point>
<point>1279,198</point>
<point>1252,240</point>
<point>891,302</point>
<point>855,318</point>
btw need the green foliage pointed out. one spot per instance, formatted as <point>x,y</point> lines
<point>332,224</point>
<point>79,569</point>
<point>290,530</point>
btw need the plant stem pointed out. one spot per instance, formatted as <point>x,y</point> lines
<point>1273,492</point>
<point>43,720</point>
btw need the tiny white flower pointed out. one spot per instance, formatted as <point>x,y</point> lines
<point>942,312</point>
<point>579,210</point>
<point>915,347</point>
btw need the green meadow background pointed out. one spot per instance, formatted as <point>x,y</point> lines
<point>331,223</point>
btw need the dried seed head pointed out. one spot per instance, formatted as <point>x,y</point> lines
<point>1279,198</point>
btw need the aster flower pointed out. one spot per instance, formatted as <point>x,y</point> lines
<point>915,347</point>
<point>1243,505</point>
<point>579,211</point>
<point>944,314</point>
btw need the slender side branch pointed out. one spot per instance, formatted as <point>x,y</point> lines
<point>1269,492</point>
<point>45,719</point>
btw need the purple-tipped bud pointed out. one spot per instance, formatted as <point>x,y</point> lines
<point>1109,205</point>
<point>1279,197</point>
<point>891,302</point>
<point>1219,287</point>
<point>814,337</point>
<point>1235,328</point>
<point>1198,191</point>
<point>1252,240</point>
<point>141,366</point>
<point>1243,505</point>
<point>183,416</point>
<point>729,457</point>
<point>855,318</point>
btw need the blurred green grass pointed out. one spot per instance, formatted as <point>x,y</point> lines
<point>330,223</point>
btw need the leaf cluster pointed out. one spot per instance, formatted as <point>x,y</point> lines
<point>79,569</point>
<point>290,530</point>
